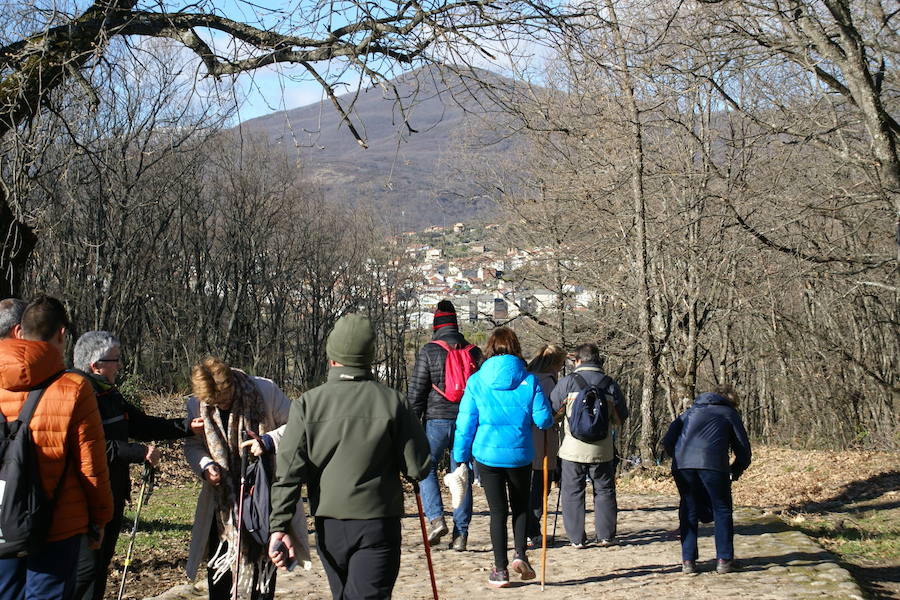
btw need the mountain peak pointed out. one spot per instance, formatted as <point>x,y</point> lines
<point>411,125</point>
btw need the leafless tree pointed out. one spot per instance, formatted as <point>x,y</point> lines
<point>45,48</point>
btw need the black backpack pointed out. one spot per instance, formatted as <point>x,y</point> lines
<point>25,509</point>
<point>257,502</point>
<point>589,417</point>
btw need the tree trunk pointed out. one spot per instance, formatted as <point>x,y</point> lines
<point>648,351</point>
<point>19,241</point>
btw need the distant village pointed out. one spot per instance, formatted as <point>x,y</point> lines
<point>456,263</point>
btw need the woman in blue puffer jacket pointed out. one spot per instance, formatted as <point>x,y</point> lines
<point>501,402</point>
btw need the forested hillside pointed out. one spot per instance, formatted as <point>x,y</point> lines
<point>413,128</point>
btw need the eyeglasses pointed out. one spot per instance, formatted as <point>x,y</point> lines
<point>112,360</point>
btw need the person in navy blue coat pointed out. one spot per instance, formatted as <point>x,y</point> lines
<point>699,442</point>
<point>501,402</point>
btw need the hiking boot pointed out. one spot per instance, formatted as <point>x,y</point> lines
<point>459,542</point>
<point>437,531</point>
<point>688,567</point>
<point>457,481</point>
<point>520,565</point>
<point>498,578</point>
<point>725,566</point>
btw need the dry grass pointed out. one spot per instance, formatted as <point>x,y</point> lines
<point>783,479</point>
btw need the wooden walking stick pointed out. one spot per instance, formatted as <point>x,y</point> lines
<point>544,519</point>
<point>415,485</point>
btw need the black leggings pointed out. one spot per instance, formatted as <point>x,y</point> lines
<point>495,481</point>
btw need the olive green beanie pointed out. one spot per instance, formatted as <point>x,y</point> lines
<point>352,341</point>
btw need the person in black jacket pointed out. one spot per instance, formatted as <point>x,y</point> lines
<point>699,442</point>
<point>98,355</point>
<point>425,397</point>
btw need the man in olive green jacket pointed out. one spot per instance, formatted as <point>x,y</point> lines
<point>349,440</point>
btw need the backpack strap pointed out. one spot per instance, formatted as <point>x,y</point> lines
<point>579,381</point>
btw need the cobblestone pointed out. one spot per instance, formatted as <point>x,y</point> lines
<point>776,563</point>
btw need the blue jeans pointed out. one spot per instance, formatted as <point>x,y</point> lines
<point>47,575</point>
<point>440,438</point>
<point>692,485</point>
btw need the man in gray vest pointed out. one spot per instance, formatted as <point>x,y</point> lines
<point>593,460</point>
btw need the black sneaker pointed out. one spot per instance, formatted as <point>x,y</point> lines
<point>688,567</point>
<point>437,531</point>
<point>520,565</point>
<point>726,566</point>
<point>498,578</point>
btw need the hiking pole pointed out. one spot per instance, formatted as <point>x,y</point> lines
<point>415,485</point>
<point>556,512</point>
<point>240,520</point>
<point>147,480</point>
<point>544,511</point>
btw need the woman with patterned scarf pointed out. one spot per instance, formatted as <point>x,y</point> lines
<point>232,403</point>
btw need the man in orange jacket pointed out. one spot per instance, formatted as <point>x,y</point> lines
<point>71,452</point>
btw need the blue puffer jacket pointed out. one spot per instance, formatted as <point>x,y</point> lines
<point>702,436</point>
<point>501,402</point>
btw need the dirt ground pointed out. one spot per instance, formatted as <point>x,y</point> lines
<point>793,485</point>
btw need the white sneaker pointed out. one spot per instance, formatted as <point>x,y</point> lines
<point>457,481</point>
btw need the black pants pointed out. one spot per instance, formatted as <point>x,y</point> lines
<point>93,565</point>
<point>536,501</point>
<point>221,590</point>
<point>361,556</point>
<point>496,481</point>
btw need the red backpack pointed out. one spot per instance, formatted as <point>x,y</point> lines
<point>458,366</point>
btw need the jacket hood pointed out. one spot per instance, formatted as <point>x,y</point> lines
<point>449,334</point>
<point>503,372</point>
<point>25,364</point>
<point>710,398</point>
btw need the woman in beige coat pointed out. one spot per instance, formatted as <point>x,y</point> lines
<point>230,401</point>
<point>546,366</point>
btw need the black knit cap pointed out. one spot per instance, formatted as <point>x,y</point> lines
<point>445,315</point>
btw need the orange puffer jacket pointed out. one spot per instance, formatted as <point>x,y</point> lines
<point>67,434</point>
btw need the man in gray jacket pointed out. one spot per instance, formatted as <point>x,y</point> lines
<point>594,460</point>
<point>349,440</point>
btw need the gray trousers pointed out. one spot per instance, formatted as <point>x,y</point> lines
<point>572,485</point>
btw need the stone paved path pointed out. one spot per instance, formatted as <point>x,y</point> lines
<point>779,563</point>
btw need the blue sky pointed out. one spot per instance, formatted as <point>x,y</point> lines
<point>270,90</point>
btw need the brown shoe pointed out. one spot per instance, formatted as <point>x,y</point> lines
<point>726,566</point>
<point>437,531</point>
<point>459,543</point>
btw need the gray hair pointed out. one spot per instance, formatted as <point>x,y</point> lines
<point>92,346</point>
<point>11,311</point>
<point>588,352</point>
